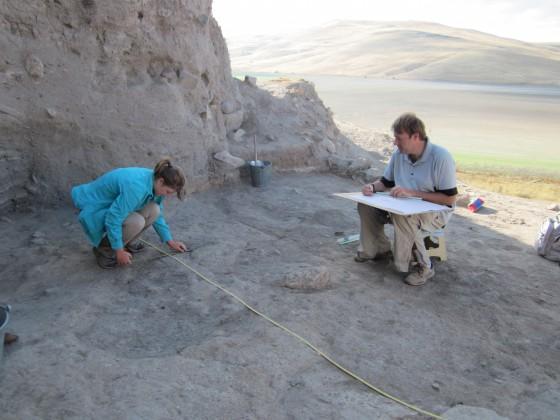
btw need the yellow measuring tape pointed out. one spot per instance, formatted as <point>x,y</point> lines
<point>299,337</point>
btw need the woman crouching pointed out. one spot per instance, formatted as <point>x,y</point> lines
<point>118,206</point>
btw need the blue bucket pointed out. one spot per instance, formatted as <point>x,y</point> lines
<point>4,319</point>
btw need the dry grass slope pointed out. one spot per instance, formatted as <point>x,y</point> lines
<point>524,187</point>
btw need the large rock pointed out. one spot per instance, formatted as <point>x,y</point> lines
<point>232,161</point>
<point>293,128</point>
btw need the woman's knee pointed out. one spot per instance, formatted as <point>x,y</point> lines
<point>134,223</point>
<point>150,212</point>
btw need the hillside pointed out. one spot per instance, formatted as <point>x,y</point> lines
<point>400,50</point>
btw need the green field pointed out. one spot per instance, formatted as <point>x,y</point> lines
<point>531,168</point>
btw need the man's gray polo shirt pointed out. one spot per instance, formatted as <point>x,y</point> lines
<point>434,171</point>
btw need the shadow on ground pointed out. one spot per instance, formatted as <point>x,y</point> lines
<point>154,341</point>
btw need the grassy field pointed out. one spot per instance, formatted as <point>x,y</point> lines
<point>528,178</point>
<point>537,188</point>
<point>535,167</point>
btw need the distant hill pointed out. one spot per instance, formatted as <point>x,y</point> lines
<point>401,50</point>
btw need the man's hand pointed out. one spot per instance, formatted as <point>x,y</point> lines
<point>123,257</point>
<point>177,246</point>
<point>403,192</point>
<point>367,190</point>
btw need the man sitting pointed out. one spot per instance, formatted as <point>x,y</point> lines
<point>418,168</point>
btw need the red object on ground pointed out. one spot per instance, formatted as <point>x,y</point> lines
<point>476,204</point>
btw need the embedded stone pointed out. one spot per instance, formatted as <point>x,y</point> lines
<point>34,67</point>
<point>229,106</point>
<point>226,157</point>
<point>308,279</point>
<point>252,81</point>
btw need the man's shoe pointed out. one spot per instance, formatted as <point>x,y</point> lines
<point>419,276</point>
<point>383,256</point>
<point>361,257</point>
<point>135,247</point>
<point>10,338</point>
<point>105,257</point>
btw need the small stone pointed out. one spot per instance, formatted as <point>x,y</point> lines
<point>34,67</point>
<point>330,146</point>
<point>39,242</point>
<point>436,385</point>
<point>229,106</point>
<point>308,279</point>
<point>233,121</point>
<point>360,164</point>
<point>169,74</point>
<point>32,188</point>
<point>6,219</point>
<point>251,81</point>
<point>338,164</point>
<point>238,135</point>
<point>202,19</point>
<point>554,207</point>
<point>51,112</point>
<point>226,157</point>
<point>48,292</point>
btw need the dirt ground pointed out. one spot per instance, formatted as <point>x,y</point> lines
<point>153,341</point>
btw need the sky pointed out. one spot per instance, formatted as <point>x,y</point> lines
<point>525,20</point>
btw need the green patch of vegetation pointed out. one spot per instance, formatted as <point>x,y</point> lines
<point>507,166</point>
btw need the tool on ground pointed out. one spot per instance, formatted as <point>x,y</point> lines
<point>348,239</point>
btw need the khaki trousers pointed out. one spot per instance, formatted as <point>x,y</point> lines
<point>135,224</point>
<point>409,234</point>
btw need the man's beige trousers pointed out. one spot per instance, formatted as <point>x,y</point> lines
<point>409,234</point>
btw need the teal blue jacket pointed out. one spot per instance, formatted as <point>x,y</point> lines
<point>105,203</point>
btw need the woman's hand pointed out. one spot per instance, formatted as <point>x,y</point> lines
<point>123,257</point>
<point>177,246</point>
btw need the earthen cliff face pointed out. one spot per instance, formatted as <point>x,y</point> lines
<point>90,85</point>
